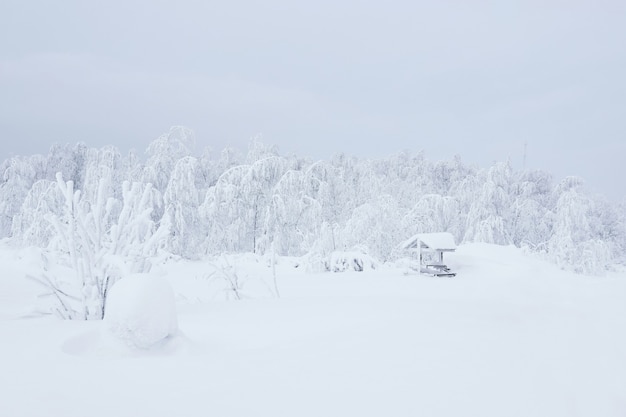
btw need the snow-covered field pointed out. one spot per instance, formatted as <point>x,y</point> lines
<point>511,335</point>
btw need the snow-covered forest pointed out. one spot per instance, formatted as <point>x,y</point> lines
<point>188,203</point>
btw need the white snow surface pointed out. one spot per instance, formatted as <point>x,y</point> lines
<point>140,311</point>
<point>511,335</point>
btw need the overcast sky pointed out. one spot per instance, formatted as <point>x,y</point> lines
<point>473,78</point>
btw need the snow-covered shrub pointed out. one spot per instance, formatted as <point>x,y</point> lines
<point>243,275</point>
<point>341,261</point>
<point>226,272</point>
<point>315,262</point>
<point>100,242</point>
<point>141,311</point>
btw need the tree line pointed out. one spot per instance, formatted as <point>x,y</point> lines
<point>86,200</point>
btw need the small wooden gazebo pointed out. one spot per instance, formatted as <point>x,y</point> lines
<point>428,249</point>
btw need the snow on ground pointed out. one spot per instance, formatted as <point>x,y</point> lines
<point>509,336</point>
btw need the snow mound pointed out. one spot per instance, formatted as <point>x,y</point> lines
<point>141,311</point>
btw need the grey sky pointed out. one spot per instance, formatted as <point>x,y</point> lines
<point>474,78</point>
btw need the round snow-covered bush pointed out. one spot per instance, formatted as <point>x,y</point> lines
<point>141,311</point>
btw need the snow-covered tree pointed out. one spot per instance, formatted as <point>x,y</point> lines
<point>69,161</point>
<point>293,220</point>
<point>531,215</point>
<point>489,215</point>
<point>433,213</point>
<point>30,226</point>
<point>574,244</point>
<point>18,176</point>
<point>224,213</point>
<point>373,227</point>
<point>181,209</point>
<point>164,153</point>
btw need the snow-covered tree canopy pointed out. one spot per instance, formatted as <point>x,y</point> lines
<point>263,200</point>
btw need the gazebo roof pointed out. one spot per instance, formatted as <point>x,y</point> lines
<point>442,241</point>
